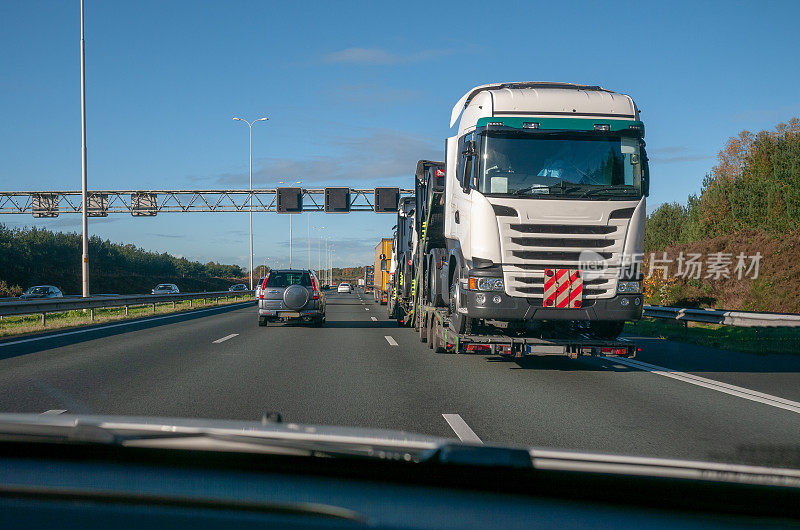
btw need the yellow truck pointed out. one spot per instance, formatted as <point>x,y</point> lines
<point>383,254</point>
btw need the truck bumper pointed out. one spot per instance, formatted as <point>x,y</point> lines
<point>510,308</point>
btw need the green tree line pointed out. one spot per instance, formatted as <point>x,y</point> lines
<point>31,256</point>
<point>755,185</point>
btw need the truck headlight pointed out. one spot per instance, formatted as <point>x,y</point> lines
<point>487,284</point>
<point>629,287</point>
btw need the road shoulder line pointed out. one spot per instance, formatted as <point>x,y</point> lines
<point>725,388</point>
<point>124,323</point>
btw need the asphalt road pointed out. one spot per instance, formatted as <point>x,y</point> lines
<point>362,370</point>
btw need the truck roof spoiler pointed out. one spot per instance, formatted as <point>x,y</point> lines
<point>464,101</point>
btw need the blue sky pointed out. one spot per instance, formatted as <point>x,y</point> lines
<point>355,94</point>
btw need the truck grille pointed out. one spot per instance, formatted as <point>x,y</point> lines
<point>529,248</point>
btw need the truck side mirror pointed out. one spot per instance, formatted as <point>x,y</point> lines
<point>469,148</point>
<point>645,176</point>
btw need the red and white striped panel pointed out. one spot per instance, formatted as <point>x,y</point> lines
<point>563,288</point>
<point>575,289</point>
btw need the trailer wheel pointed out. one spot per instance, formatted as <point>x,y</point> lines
<point>435,287</point>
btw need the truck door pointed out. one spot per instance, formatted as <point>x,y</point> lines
<point>462,200</point>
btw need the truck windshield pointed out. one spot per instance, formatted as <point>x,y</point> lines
<point>541,166</point>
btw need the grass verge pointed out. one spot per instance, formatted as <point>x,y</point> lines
<point>748,340</point>
<point>12,326</point>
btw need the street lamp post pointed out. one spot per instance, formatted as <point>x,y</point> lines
<point>84,193</point>
<point>319,249</point>
<point>250,199</point>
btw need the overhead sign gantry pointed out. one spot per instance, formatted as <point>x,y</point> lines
<point>147,203</point>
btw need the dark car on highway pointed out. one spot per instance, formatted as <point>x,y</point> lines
<point>238,287</point>
<point>291,296</point>
<point>42,291</point>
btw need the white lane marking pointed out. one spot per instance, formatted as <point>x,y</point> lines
<point>462,430</point>
<point>53,412</point>
<point>130,323</point>
<point>223,339</point>
<point>390,340</point>
<point>374,319</point>
<point>366,309</point>
<point>733,390</point>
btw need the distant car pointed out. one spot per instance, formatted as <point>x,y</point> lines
<point>238,287</point>
<point>165,288</point>
<point>42,291</point>
<point>291,295</point>
<point>258,285</point>
<point>344,288</point>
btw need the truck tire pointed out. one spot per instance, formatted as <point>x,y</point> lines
<point>606,329</point>
<point>459,322</point>
<point>435,287</point>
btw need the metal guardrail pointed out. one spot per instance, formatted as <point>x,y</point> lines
<point>728,318</point>
<point>60,305</point>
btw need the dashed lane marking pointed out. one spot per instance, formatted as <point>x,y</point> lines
<point>462,430</point>
<point>374,319</point>
<point>223,339</point>
<point>53,412</point>
<point>390,340</point>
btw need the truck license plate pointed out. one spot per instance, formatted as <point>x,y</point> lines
<point>563,288</point>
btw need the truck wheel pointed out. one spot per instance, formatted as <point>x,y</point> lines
<point>262,321</point>
<point>435,287</point>
<point>606,329</point>
<point>459,322</point>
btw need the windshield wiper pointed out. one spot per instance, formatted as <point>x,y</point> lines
<point>563,188</point>
<point>623,189</point>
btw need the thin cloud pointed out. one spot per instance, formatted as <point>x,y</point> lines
<point>777,114</point>
<point>373,94</point>
<point>379,56</point>
<point>680,158</point>
<point>170,236</point>
<point>380,156</point>
<point>669,149</point>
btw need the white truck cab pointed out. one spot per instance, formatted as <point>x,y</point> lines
<point>545,180</point>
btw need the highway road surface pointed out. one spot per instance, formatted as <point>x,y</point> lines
<point>674,400</point>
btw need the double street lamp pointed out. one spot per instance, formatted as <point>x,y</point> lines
<point>250,199</point>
